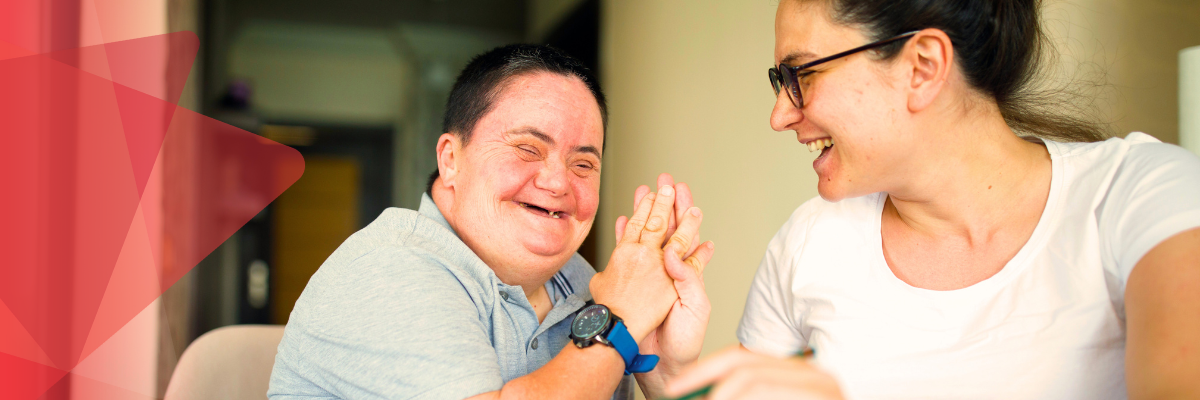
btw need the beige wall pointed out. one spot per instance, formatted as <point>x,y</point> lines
<point>689,95</point>
<point>1131,48</point>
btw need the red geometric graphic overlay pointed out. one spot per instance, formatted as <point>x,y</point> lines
<point>111,193</point>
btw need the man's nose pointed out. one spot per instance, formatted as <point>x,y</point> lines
<point>785,113</point>
<point>553,178</point>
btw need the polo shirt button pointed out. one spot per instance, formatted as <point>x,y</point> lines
<point>504,295</point>
<point>534,344</point>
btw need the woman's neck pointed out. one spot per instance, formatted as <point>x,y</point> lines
<point>976,178</point>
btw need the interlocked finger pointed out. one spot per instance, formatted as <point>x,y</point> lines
<point>620,228</point>
<point>683,200</point>
<point>633,229</point>
<point>655,230</point>
<point>639,194</point>
<point>699,259</point>
<point>681,242</point>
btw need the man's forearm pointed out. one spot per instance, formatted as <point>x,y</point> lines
<point>589,373</point>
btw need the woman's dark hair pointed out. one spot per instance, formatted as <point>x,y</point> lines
<point>481,81</point>
<point>999,45</point>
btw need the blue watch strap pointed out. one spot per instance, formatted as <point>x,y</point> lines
<point>622,341</point>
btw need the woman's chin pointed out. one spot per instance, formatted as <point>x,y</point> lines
<point>831,192</point>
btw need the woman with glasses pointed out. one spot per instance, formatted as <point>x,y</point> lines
<point>969,241</point>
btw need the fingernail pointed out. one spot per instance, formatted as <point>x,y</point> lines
<point>667,190</point>
<point>695,211</point>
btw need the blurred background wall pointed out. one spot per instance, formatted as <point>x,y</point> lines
<point>1124,56</point>
<point>358,87</point>
<point>689,95</point>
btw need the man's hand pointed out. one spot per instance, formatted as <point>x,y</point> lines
<point>737,373</point>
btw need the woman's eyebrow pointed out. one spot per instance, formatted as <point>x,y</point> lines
<point>796,56</point>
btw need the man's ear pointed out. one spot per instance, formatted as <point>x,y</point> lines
<point>931,57</point>
<point>448,149</point>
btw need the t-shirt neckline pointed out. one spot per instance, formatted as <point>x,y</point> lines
<point>1014,266</point>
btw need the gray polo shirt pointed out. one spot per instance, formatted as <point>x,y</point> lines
<point>403,309</point>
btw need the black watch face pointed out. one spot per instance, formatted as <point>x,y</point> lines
<point>591,321</point>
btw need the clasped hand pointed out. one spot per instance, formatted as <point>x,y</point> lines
<point>654,279</point>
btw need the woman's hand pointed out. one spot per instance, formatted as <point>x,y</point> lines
<point>680,337</point>
<point>683,201</point>
<point>636,284</point>
<point>678,340</point>
<point>737,373</point>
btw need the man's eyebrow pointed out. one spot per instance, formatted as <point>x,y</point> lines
<point>533,132</point>
<point>588,149</point>
<point>550,141</point>
<point>800,55</point>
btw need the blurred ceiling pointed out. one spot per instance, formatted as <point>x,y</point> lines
<point>504,16</point>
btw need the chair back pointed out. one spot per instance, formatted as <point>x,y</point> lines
<point>233,362</point>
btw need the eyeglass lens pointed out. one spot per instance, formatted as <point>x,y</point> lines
<point>774,75</point>
<point>782,79</point>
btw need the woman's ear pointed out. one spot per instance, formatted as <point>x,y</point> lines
<point>931,56</point>
<point>448,148</point>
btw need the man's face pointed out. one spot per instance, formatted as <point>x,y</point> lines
<point>527,184</point>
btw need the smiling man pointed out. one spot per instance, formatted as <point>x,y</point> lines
<point>480,292</point>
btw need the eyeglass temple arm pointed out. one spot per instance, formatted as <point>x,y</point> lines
<point>864,47</point>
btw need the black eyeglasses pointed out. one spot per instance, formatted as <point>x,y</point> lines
<point>784,76</point>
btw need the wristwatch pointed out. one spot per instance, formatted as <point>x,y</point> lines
<point>595,323</point>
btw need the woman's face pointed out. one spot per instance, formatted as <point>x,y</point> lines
<point>856,102</point>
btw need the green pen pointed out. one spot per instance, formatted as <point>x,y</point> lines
<point>703,391</point>
<point>808,353</point>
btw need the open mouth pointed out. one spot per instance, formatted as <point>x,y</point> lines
<point>541,211</point>
<point>820,144</point>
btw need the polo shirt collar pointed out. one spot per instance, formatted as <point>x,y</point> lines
<point>430,210</point>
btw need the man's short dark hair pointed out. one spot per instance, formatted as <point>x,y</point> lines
<point>485,76</point>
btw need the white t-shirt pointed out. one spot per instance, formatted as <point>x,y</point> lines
<point>1049,325</point>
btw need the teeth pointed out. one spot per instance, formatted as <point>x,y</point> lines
<point>553,214</point>
<point>819,144</point>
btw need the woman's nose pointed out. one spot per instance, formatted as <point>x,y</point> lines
<point>785,113</point>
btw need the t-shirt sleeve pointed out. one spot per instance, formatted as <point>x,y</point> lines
<point>392,324</point>
<point>1155,194</point>
<point>770,323</point>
